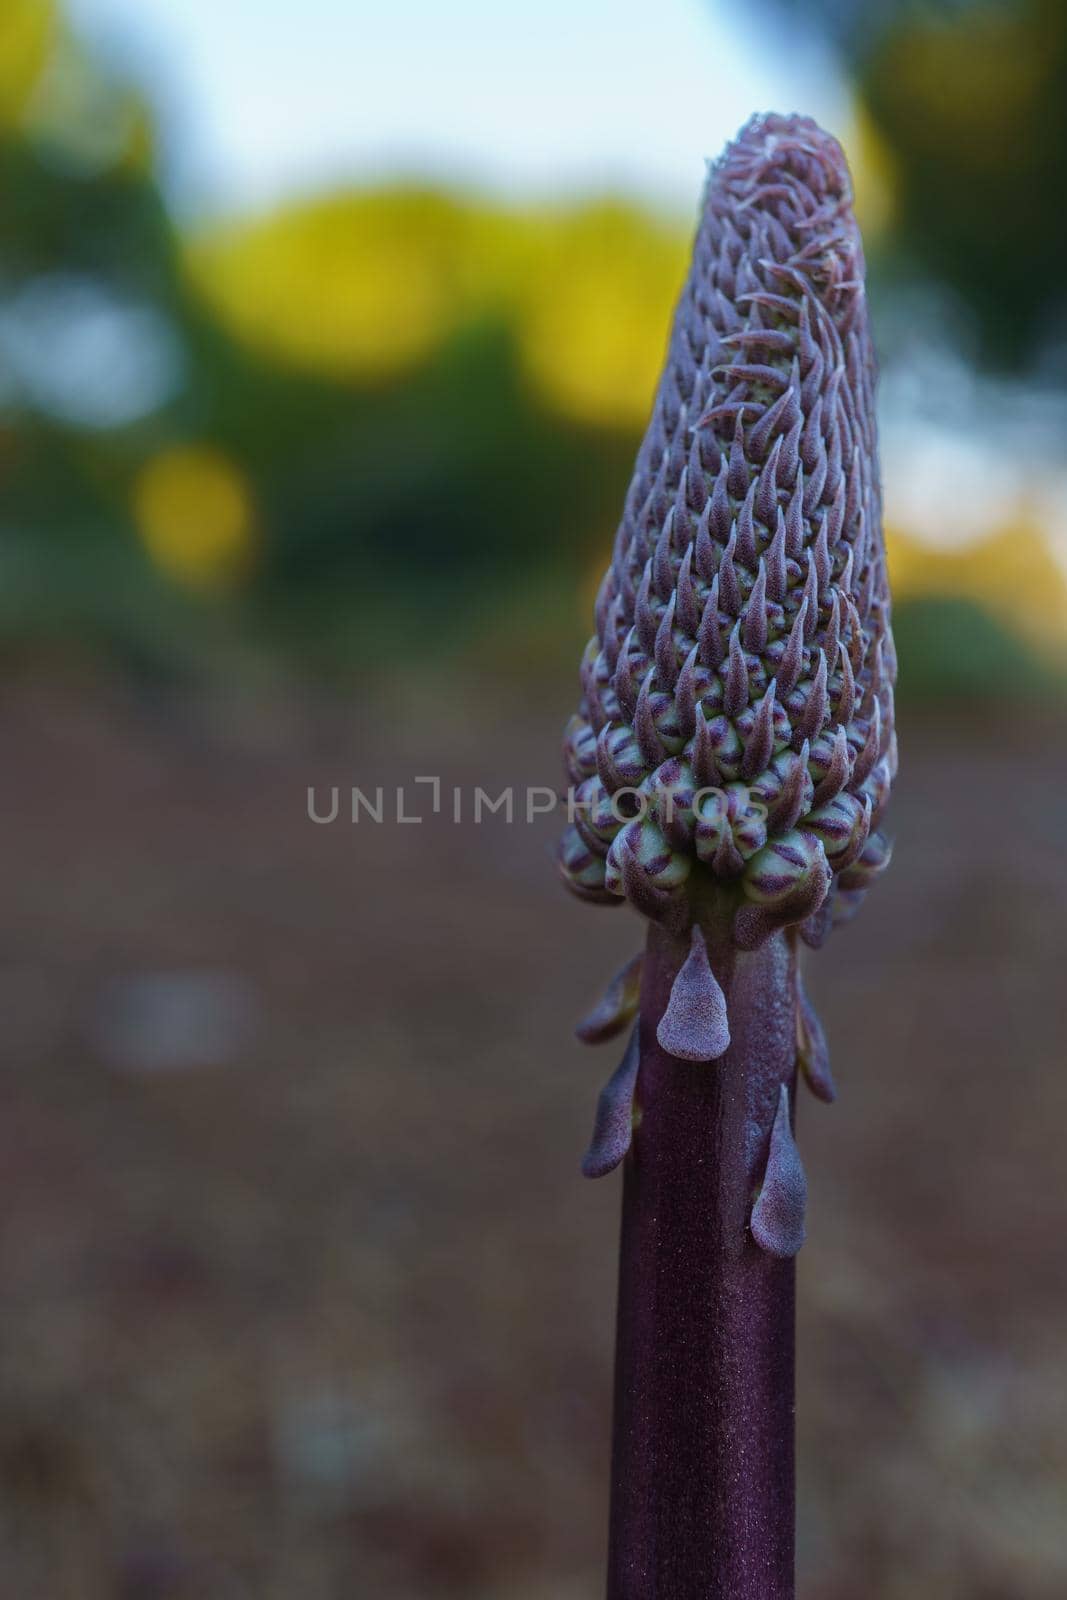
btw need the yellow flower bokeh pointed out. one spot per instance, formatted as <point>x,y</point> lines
<point>363,287</point>
<point>193,510</point>
<point>28,30</point>
<point>1012,574</point>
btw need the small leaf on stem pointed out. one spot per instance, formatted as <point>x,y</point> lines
<point>694,1026</point>
<point>616,1008</point>
<point>778,1214</point>
<point>613,1125</point>
<point>812,1050</point>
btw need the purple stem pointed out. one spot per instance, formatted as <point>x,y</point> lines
<point>703,1492</point>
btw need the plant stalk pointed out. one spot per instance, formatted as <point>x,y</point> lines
<point>703,1486</point>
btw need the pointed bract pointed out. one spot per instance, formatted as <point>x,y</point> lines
<point>813,1053</point>
<point>613,1124</point>
<point>694,1026</point>
<point>616,1008</point>
<point>778,1214</point>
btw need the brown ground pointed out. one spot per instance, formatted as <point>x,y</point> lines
<point>325,1314</point>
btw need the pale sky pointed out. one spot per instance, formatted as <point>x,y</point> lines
<point>263,97</point>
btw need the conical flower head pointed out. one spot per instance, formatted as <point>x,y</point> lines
<point>736,721</point>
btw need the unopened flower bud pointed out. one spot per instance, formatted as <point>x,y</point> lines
<point>743,639</point>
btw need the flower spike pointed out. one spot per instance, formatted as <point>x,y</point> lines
<point>739,686</point>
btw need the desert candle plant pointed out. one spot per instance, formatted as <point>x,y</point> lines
<point>730,763</point>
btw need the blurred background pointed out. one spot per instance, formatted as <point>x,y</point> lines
<point>327,335</point>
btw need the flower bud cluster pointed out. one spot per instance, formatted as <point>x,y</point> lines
<point>741,676</point>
